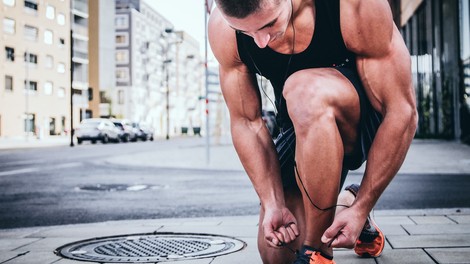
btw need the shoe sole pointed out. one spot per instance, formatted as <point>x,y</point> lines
<point>363,252</point>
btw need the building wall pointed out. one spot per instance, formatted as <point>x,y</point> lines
<point>161,69</point>
<point>434,36</point>
<point>80,61</point>
<point>49,103</point>
<point>101,55</point>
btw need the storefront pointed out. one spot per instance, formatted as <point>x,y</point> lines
<point>437,33</point>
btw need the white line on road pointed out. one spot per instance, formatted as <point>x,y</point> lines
<point>34,169</point>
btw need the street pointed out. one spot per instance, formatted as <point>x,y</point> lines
<point>64,185</point>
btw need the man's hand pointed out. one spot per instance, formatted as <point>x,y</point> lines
<point>345,230</point>
<point>279,226</point>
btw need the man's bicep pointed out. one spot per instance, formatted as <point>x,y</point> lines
<point>387,78</point>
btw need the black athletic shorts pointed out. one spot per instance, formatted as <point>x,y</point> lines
<point>369,122</point>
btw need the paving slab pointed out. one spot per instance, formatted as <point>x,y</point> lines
<point>429,229</point>
<point>432,219</point>
<point>402,256</point>
<point>348,256</point>
<point>247,255</point>
<point>429,241</point>
<point>393,220</point>
<point>14,243</point>
<point>393,229</point>
<point>450,255</point>
<point>461,219</point>
<point>36,257</point>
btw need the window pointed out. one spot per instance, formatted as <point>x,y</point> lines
<point>61,42</point>
<point>49,62</point>
<point>121,21</point>
<point>9,2</point>
<point>122,39</point>
<point>48,87</point>
<point>48,37</point>
<point>90,93</point>
<point>121,97</point>
<point>29,123</point>
<point>122,74</point>
<point>122,56</point>
<point>50,12</point>
<point>31,58</point>
<point>8,25</point>
<point>61,67</point>
<point>30,33</point>
<point>61,19</point>
<point>61,92</point>
<point>31,85</point>
<point>10,54</point>
<point>8,83</point>
<point>31,4</point>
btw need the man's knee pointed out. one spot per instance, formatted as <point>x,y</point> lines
<point>309,100</point>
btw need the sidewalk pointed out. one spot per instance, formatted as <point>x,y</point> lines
<point>413,236</point>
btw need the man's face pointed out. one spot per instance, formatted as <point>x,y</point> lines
<point>267,24</point>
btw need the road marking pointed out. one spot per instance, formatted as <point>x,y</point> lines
<point>34,169</point>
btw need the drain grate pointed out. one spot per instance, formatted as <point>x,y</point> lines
<point>150,248</point>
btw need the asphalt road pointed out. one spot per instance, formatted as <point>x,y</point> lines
<point>63,185</point>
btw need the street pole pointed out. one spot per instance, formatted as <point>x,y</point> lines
<point>207,90</point>
<point>27,86</point>
<point>167,97</point>
<point>71,88</point>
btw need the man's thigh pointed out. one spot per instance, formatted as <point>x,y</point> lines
<point>310,92</point>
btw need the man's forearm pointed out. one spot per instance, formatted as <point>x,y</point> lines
<point>256,152</point>
<point>386,156</point>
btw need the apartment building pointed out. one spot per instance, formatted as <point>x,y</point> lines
<point>34,68</point>
<point>154,65</point>
<point>101,51</point>
<point>82,93</point>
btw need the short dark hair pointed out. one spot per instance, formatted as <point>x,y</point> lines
<point>239,8</point>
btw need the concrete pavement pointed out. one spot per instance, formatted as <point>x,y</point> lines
<point>413,236</point>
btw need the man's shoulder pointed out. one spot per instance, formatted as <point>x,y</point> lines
<point>222,39</point>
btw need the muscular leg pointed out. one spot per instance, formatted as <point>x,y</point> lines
<point>324,108</point>
<point>271,255</point>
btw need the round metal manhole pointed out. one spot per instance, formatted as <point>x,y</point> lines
<point>150,248</point>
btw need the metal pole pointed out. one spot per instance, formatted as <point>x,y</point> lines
<point>167,99</point>
<point>27,86</point>
<point>208,141</point>
<point>71,88</point>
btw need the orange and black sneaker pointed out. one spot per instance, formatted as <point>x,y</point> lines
<point>309,255</point>
<point>371,241</point>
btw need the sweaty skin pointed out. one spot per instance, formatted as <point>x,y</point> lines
<point>384,67</point>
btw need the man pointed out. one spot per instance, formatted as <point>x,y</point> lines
<point>342,81</point>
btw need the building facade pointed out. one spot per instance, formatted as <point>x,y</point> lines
<point>80,63</point>
<point>156,69</point>
<point>437,33</point>
<point>34,68</point>
<point>101,50</point>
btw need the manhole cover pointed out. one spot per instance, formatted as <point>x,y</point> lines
<point>150,248</point>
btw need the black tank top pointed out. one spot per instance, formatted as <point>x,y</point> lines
<point>326,49</point>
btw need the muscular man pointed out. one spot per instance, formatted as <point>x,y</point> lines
<point>343,94</point>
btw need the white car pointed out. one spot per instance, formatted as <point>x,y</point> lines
<point>95,129</point>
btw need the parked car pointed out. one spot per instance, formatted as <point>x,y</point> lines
<point>144,132</point>
<point>95,129</point>
<point>126,131</point>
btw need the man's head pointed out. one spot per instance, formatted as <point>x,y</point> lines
<point>263,20</point>
<point>240,9</point>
